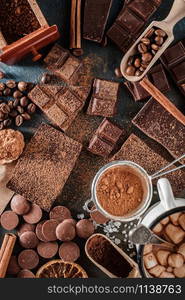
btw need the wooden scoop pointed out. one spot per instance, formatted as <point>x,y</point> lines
<point>176,14</point>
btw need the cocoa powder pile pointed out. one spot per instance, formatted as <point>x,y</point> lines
<point>101,250</point>
<point>119,191</point>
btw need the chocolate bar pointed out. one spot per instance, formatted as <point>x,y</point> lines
<point>105,138</point>
<point>149,156</point>
<point>156,122</point>
<point>44,167</point>
<point>157,76</point>
<point>95,19</point>
<point>174,61</point>
<point>104,98</point>
<point>131,21</point>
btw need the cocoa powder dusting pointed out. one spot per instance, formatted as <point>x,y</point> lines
<point>119,191</point>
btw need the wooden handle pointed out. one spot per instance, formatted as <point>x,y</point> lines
<point>163,100</point>
<point>177,12</point>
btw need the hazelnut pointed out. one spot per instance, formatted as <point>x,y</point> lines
<point>162,257</point>
<point>157,271</point>
<point>175,233</point>
<point>174,218</point>
<point>180,272</point>
<point>150,261</point>
<point>175,260</point>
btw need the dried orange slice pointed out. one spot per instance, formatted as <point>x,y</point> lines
<point>61,269</point>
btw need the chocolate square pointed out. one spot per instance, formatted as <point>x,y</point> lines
<point>119,36</point>
<point>100,147</point>
<point>103,107</point>
<point>159,79</point>
<point>68,102</point>
<point>105,89</point>
<point>44,167</point>
<point>52,89</point>
<point>179,72</point>
<point>109,131</point>
<point>130,22</point>
<point>39,97</point>
<point>142,8</point>
<point>156,122</point>
<point>56,57</point>
<point>56,115</point>
<point>174,54</point>
<point>69,67</point>
<point>137,91</point>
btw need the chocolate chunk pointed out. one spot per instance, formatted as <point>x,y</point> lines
<point>34,215</point>
<point>9,220</point>
<point>28,259</point>
<point>100,147</point>
<point>65,231</point>
<point>28,240</point>
<point>150,157</point>
<point>157,76</point>
<point>85,228</point>
<point>25,274</point>
<point>49,230</point>
<point>57,155</point>
<point>161,126</point>
<point>20,205</point>
<point>131,21</point>
<point>25,227</point>
<point>104,99</point>
<point>39,233</point>
<point>13,267</point>
<point>60,213</point>
<point>69,251</point>
<point>95,19</point>
<point>56,57</point>
<point>47,250</point>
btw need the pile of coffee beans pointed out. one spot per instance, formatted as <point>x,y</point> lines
<point>145,51</point>
<point>18,108</point>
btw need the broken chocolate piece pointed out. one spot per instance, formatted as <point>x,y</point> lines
<point>156,122</point>
<point>44,167</point>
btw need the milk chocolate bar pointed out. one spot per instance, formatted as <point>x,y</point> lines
<point>44,167</point>
<point>157,76</point>
<point>131,21</point>
<point>104,98</point>
<point>105,138</point>
<point>95,19</point>
<point>149,156</point>
<point>154,120</point>
<point>174,61</point>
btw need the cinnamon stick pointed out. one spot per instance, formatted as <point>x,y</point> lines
<point>73,24</point>
<point>75,31</point>
<point>6,252</point>
<point>163,100</point>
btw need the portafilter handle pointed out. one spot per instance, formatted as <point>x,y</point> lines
<point>166,194</point>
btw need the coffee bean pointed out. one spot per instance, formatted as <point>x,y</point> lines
<point>145,41</point>
<point>11,84</point>
<point>45,78</point>
<point>7,92</point>
<point>7,122</point>
<point>22,86</point>
<point>10,104</point>
<point>2,75</point>
<point>1,116</point>
<point>142,48</point>
<point>130,61</point>
<point>26,116</point>
<point>2,86</point>
<point>31,108</point>
<point>137,62</point>
<point>1,125</point>
<point>155,47</point>
<point>4,108</point>
<point>130,71</point>
<point>16,102</point>
<point>20,109</point>
<point>159,40</point>
<point>160,32</point>
<point>13,113</point>
<point>79,52</point>
<point>19,120</point>
<point>24,101</point>
<point>147,57</point>
<point>118,73</point>
<point>138,73</point>
<point>17,94</point>
<point>149,33</point>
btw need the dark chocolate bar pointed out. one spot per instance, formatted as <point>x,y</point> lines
<point>156,122</point>
<point>44,167</point>
<point>174,61</point>
<point>105,138</point>
<point>150,157</point>
<point>157,76</point>
<point>104,99</point>
<point>131,21</point>
<point>95,19</point>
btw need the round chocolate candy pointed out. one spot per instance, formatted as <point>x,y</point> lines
<point>28,259</point>
<point>25,227</point>
<point>39,233</point>
<point>25,274</point>
<point>20,205</point>
<point>70,221</point>
<point>65,231</point>
<point>47,250</point>
<point>13,267</point>
<point>60,213</point>
<point>34,215</point>
<point>84,228</point>
<point>49,230</point>
<point>28,240</point>
<point>69,251</point>
<point>9,220</point>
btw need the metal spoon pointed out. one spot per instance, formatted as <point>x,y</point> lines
<point>176,14</point>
